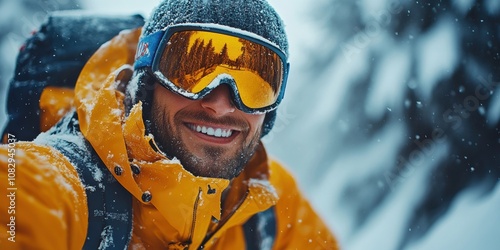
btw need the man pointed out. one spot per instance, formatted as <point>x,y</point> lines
<point>167,155</point>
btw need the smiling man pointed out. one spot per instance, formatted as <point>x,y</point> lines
<point>163,148</point>
<point>210,136</point>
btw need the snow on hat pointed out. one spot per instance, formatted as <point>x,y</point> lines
<point>255,16</point>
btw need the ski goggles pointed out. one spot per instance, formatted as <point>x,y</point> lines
<point>193,59</point>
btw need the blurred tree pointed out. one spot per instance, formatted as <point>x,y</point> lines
<point>431,68</point>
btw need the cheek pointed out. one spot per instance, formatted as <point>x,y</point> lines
<point>165,100</point>
<point>255,121</point>
<point>163,109</point>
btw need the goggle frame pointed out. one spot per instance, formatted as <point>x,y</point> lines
<point>158,41</point>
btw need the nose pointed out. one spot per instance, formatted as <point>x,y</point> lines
<point>219,101</point>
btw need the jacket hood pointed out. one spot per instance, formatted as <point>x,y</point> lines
<point>154,180</point>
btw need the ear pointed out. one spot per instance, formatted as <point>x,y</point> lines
<point>123,77</point>
<point>268,122</point>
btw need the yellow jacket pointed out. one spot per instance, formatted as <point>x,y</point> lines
<point>43,204</point>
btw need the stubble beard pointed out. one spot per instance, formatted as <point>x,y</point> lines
<point>215,162</point>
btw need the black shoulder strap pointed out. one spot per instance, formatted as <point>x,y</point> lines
<point>109,204</point>
<point>260,230</point>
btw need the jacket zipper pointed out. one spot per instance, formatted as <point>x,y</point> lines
<point>223,222</point>
<point>193,223</point>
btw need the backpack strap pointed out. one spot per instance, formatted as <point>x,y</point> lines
<point>260,230</point>
<point>109,204</point>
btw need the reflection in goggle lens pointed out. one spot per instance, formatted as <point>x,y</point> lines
<point>191,60</point>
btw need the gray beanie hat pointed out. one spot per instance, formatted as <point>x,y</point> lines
<point>255,16</point>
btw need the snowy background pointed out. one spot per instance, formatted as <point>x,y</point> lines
<point>391,117</point>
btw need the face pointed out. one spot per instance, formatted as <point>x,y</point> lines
<point>210,136</point>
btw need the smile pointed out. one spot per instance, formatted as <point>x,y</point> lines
<point>211,131</point>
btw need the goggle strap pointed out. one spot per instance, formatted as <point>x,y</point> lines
<point>146,49</point>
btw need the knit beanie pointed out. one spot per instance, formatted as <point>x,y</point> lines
<point>255,16</point>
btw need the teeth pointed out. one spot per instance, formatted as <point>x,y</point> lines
<point>216,132</point>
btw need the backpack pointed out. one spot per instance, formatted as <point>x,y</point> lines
<point>53,58</point>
